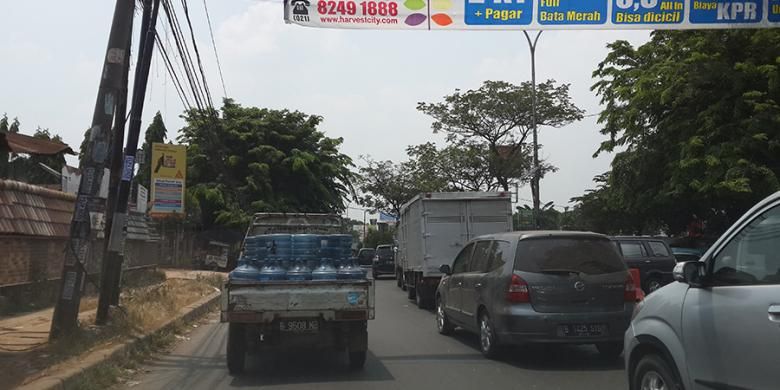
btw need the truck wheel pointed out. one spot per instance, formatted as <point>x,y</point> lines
<point>422,297</point>
<point>357,359</point>
<point>236,348</point>
<point>411,293</point>
<point>399,281</point>
<point>403,282</point>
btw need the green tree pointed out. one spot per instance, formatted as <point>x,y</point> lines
<point>254,159</point>
<point>376,237</point>
<point>696,115</point>
<point>457,167</point>
<point>4,123</point>
<point>14,127</point>
<point>156,132</point>
<point>386,186</point>
<point>498,114</point>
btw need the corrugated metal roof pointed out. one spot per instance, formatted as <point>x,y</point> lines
<point>20,143</point>
<point>31,210</point>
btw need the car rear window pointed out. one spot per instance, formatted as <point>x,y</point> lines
<point>586,255</point>
<point>658,248</point>
<point>384,251</point>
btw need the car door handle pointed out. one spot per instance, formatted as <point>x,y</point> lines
<point>459,284</point>
<point>478,285</point>
<point>774,313</point>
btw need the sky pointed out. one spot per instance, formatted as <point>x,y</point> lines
<point>366,84</point>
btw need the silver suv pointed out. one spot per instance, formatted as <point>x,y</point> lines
<point>546,287</point>
<point>718,325</point>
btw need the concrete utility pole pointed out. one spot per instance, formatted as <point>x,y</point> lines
<point>537,170</point>
<point>114,256</point>
<point>66,310</point>
<point>117,140</point>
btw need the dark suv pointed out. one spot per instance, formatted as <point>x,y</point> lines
<point>549,287</point>
<point>651,256</point>
<point>384,261</point>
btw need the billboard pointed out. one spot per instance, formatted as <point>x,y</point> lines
<point>533,14</point>
<point>169,175</point>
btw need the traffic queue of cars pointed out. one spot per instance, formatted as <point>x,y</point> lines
<point>715,324</point>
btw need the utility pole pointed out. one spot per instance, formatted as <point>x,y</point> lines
<point>117,140</point>
<point>114,256</point>
<point>537,170</point>
<point>66,310</point>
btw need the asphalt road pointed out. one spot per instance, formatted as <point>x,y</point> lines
<point>405,352</point>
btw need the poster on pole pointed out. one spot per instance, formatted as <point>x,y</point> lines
<point>533,14</point>
<point>142,199</point>
<point>169,175</point>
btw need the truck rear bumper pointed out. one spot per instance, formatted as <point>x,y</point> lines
<point>253,317</point>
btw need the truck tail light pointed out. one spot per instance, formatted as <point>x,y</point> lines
<point>518,291</point>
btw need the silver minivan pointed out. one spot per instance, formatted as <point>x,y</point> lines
<point>718,325</point>
<point>540,286</point>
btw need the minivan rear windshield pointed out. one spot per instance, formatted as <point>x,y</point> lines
<point>590,256</point>
<point>385,251</point>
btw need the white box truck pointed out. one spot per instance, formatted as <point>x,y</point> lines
<point>434,227</point>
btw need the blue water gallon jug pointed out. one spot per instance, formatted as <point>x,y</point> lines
<point>352,271</point>
<point>278,246</point>
<point>326,271</point>
<point>272,270</point>
<point>244,272</point>
<point>299,271</point>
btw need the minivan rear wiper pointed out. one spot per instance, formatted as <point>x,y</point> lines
<point>560,271</point>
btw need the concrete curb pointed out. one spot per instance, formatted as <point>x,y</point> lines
<point>67,378</point>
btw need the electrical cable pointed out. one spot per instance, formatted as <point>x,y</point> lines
<point>214,45</point>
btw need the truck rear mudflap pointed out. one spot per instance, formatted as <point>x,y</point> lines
<point>265,302</point>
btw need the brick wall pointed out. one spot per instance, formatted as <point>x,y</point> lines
<point>27,259</point>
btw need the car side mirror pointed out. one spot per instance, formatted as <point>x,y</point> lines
<point>445,269</point>
<point>690,272</point>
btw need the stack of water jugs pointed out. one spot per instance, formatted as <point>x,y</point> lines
<point>297,257</point>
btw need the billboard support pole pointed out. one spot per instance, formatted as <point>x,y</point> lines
<point>536,169</point>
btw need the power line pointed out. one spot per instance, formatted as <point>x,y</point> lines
<point>197,53</point>
<point>214,45</point>
<point>184,55</point>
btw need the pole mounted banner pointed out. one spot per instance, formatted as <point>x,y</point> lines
<point>533,14</point>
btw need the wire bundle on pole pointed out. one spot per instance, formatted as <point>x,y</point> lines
<point>186,70</point>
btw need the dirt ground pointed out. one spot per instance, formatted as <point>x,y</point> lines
<point>26,354</point>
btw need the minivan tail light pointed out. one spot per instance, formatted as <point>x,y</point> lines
<point>629,291</point>
<point>518,291</point>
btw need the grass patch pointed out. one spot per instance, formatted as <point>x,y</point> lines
<point>109,374</point>
<point>215,280</point>
<point>142,278</point>
<point>101,377</point>
<point>143,310</point>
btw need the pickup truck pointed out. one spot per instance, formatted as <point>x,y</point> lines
<point>285,314</point>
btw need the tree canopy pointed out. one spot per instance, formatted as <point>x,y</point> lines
<point>499,115</point>
<point>252,159</point>
<point>696,118</point>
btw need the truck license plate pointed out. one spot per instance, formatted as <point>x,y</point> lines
<point>299,326</point>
